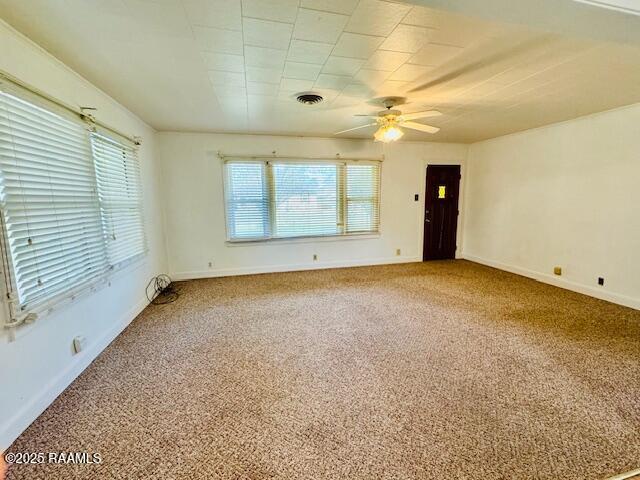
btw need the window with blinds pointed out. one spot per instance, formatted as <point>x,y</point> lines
<point>300,198</point>
<point>118,180</point>
<point>70,203</point>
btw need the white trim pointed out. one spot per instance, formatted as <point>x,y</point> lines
<point>307,239</point>
<point>624,476</point>
<point>227,272</point>
<point>559,282</point>
<point>19,422</point>
<point>274,156</point>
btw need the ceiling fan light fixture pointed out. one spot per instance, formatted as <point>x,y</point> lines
<point>388,133</point>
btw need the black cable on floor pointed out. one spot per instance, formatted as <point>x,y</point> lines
<point>161,290</point>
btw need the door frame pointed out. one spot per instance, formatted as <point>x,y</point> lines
<point>461,202</point>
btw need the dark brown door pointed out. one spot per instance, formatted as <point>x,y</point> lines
<point>441,212</point>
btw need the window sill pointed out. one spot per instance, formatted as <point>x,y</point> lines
<point>67,299</point>
<point>285,241</point>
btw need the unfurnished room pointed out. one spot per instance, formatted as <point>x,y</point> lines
<point>320,239</point>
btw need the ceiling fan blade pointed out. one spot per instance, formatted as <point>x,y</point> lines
<point>509,53</point>
<point>365,115</point>
<point>356,128</point>
<point>416,115</point>
<point>420,126</point>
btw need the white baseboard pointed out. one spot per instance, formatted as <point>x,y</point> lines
<point>559,282</point>
<point>226,272</point>
<point>19,422</point>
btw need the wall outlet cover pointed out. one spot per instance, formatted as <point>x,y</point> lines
<point>557,270</point>
<point>78,344</point>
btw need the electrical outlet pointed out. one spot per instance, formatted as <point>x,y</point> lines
<point>601,281</point>
<point>416,197</point>
<point>557,270</point>
<point>397,251</point>
<point>78,344</point>
<point>315,257</point>
<point>210,264</point>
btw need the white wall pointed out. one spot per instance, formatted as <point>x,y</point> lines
<point>39,364</point>
<point>566,195</point>
<point>193,200</point>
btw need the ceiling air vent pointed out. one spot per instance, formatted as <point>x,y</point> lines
<point>309,98</point>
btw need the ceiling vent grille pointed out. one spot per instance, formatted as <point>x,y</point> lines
<point>309,98</point>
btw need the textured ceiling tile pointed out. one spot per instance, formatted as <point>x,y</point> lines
<point>359,90</point>
<point>409,73</point>
<point>309,52</point>
<point>424,17</point>
<point>277,10</point>
<point>460,32</point>
<point>435,54</point>
<point>234,107</point>
<point>155,57</point>
<point>393,88</point>
<point>372,78</point>
<point>228,92</point>
<point>295,85</point>
<point>301,71</point>
<point>337,82</point>
<point>260,74</point>
<point>407,38</point>
<point>214,13</point>
<point>165,18</point>
<point>261,88</point>
<point>328,94</point>
<point>345,7</point>
<point>357,46</point>
<point>218,40</point>
<point>319,26</point>
<point>231,79</point>
<point>264,32</point>
<point>387,60</point>
<point>223,61</point>
<point>342,66</point>
<point>376,17</point>
<point>264,57</point>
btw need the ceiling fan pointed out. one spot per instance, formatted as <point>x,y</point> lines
<point>389,121</point>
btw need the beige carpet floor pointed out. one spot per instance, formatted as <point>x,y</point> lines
<point>442,370</point>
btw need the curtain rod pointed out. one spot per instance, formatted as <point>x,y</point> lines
<point>77,111</point>
<point>298,157</point>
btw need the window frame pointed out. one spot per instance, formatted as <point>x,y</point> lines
<point>341,206</point>
<point>17,313</point>
<point>133,181</point>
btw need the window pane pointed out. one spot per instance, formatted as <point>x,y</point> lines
<point>361,216</point>
<point>362,211</point>
<point>49,201</point>
<point>247,201</point>
<point>361,181</point>
<point>306,199</point>
<point>120,193</point>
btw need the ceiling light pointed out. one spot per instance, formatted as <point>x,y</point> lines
<point>388,133</point>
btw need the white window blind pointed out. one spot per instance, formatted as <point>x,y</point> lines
<point>300,198</point>
<point>247,203</point>
<point>119,191</point>
<point>54,240</point>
